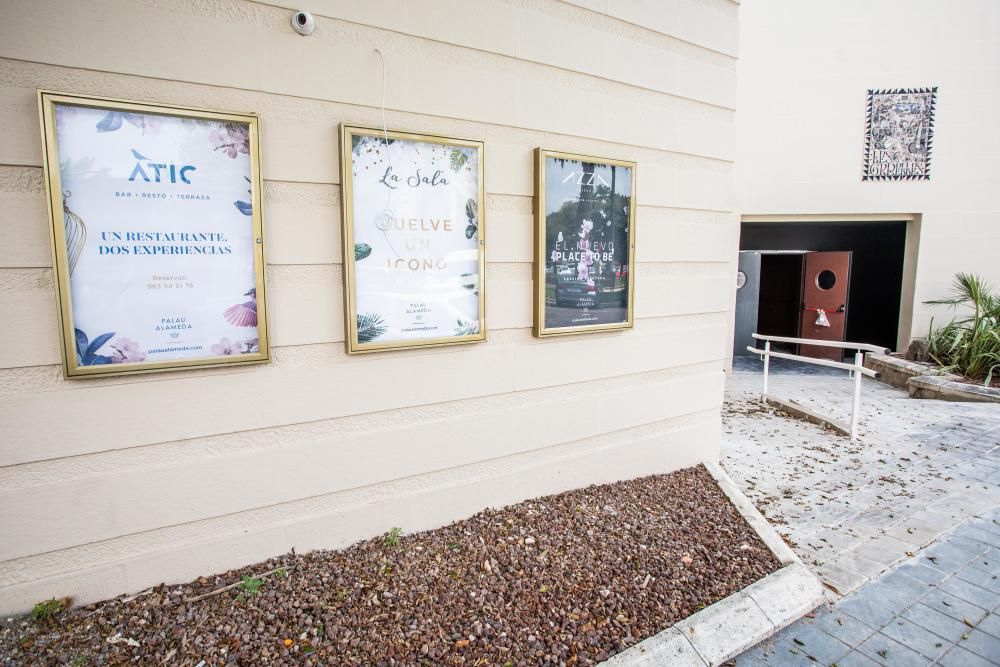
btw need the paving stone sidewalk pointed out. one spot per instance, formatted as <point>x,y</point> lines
<point>941,607</point>
<point>852,509</point>
<point>907,516</point>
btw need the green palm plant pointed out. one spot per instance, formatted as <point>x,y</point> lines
<point>370,327</point>
<point>969,345</point>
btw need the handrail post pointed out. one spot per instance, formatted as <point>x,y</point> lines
<point>767,362</point>
<point>859,362</point>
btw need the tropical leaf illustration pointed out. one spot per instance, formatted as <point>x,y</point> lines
<point>136,119</point>
<point>457,159</point>
<point>370,327</point>
<point>86,350</point>
<point>470,281</point>
<point>472,213</point>
<point>466,328</point>
<point>361,250</point>
<point>110,122</point>
<point>76,234</point>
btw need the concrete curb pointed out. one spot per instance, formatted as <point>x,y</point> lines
<point>895,371</point>
<point>802,412</point>
<point>923,381</point>
<point>725,629</point>
<point>943,389</point>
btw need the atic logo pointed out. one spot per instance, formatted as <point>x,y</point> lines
<point>162,172</point>
<point>585,178</point>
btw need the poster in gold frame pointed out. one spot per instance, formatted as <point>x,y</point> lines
<point>414,239</point>
<point>584,273</point>
<point>156,235</point>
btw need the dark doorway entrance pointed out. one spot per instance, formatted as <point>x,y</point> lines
<point>876,275</point>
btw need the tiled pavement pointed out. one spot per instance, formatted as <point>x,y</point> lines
<point>852,509</point>
<point>921,471</point>
<point>941,607</point>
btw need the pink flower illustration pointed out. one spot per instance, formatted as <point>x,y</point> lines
<point>231,138</point>
<point>126,351</point>
<point>223,347</point>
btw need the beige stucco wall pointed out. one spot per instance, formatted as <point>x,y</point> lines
<point>115,484</point>
<point>804,70</point>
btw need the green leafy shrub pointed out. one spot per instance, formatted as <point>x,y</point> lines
<point>392,537</point>
<point>49,609</point>
<point>969,345</point>
<point>250,586</point>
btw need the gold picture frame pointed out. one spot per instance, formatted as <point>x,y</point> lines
<point>475,331</point>
<point>545,326</point>
<point>136,114</point>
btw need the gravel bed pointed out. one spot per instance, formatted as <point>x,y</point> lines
<point>569,579</point>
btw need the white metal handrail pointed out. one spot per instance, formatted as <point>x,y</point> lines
<point>857,369</point>
<point>865,347</point>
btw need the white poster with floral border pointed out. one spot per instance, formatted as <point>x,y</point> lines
<point>416,239</point>
<point>159,237</point>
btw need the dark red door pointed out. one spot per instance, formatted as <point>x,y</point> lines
<point>825,277</point>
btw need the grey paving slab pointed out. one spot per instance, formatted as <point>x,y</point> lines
<point>981,578</point>
<point>957,608</point>
<point>919,572</point>
<point>842,626</point>
<point>815,643</point>
<point>786,653</point>
<point>913,636</point>
<point>959,657</point>
<point>896,592</point>
<point>990,625</point>
<point>934,621</point>
<point>982,644</point>
<point>867,609</point>
<point>887,651</point>
<point>964,590</point>
<point>856,659</point>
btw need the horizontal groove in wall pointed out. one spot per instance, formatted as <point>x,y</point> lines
<point>626,31</point>
<point>132,501</point>
<point>192,534</point>
<point>122,461</point>
<point>26,380</point>
<point>292,122</point>
<point>292,395</point>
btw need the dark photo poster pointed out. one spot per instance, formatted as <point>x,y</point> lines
<point>585,244</point>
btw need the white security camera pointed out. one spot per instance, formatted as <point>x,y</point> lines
<point>303,22</point>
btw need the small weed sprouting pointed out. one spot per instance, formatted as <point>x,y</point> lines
<point>48,610</point>
<point>79,661</point>
<point>249,587</point>
<point>392,537</point>
<point>281,573</point>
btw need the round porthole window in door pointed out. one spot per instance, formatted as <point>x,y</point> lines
<point>826,279</point>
